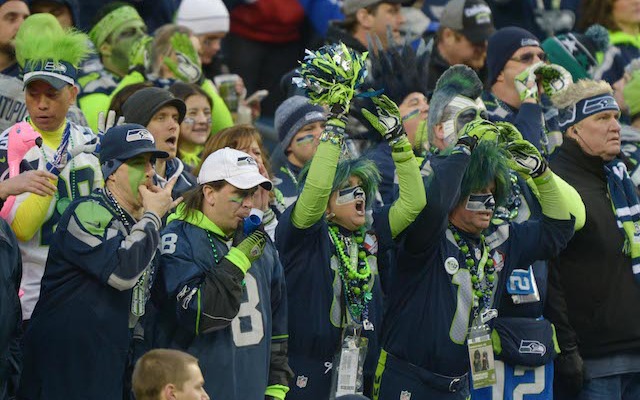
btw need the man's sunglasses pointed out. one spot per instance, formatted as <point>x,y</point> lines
<point>527,58</point>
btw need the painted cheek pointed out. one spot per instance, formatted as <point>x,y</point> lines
<point>137,176</point>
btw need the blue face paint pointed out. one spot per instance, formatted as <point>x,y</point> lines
<point>350,194</point>
<point>305,139</point>
<point>481,202</point>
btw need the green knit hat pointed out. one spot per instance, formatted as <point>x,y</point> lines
<point>576,52</point>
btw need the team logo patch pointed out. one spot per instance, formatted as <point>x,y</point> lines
<point>532,347</point>
<point>133,135</point>
<point>451,265</point>
<point>405,395</point>
<point>245,160</point>
<point>529,42</point>
<point>54,67</point>
<point>301,381</point>
<point>598,104</point>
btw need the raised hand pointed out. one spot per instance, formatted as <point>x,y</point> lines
<point>187,66</point>
<point>387,120</point>
<point>480,129</point>
<point>526,159</point>
<point>508,132</point>
<point>139,55</point>
<point>526,84</point>
<point>553,78</point>
<point>251,245</point>
<point>158,200</point>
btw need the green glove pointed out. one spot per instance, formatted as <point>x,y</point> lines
<point>554,78</point>
<point>187,68</point>
<point>387,120</point>
<point>480,129</point>
<point>251,246</point>
<point>526,159</point>
<point>508,132</point>
<point>526,84</point>
<point>139,55</point>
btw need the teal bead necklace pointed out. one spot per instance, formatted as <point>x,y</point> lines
<point>354,271</point>
<point>482,271</point>
<point>213,247</point>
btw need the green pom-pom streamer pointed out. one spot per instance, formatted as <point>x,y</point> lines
<point>331,74</point>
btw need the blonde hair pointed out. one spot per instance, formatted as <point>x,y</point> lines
<point>582,89</point>
<point>158,368</point>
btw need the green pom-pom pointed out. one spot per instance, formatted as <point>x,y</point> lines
<point>356,290</point>
<point>362,254</point>
<point>331,74</point>
<point>470,263</point>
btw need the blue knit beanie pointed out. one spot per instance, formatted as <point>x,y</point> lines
<point>292,115</point>
<point>502,45</point>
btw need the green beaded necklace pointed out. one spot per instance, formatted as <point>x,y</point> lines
<point>355,273</point>
<point>482,280</point>
<point>213,247</point>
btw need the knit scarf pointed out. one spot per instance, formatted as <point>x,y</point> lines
<point>627,209</point>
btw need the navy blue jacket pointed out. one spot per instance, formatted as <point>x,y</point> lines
<point>428,311</point>
<point>10,312</point>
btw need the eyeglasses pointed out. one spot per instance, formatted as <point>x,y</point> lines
<point>527,58</point>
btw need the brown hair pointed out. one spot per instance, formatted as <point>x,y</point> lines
<point>597,12</point>
<point>158,368</point>
<point>236,137</point>
<point>350,22</point>
<point>183,91</point>
<point>193,198</point>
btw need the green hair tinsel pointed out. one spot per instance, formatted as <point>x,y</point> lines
<point>362,168</point>
<point>488,164</point>
<point>331,74</point>
<point>41,38</point>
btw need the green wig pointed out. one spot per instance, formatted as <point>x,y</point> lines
<point>362,168</point>
<point>488,164</point>
<point>41,39</point>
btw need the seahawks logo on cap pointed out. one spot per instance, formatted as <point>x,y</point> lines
<point>133,135</point>
<point>246,160</point>
<point>529,42</point>
<point>54,67</point>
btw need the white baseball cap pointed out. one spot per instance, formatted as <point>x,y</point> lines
<point>234,166</point>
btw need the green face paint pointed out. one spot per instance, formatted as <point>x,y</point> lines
<point>137,173</point>
<point>237,200</point>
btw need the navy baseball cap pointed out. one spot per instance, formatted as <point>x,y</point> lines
<point>123,142</point>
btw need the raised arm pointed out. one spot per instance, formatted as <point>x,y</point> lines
<point>314,197</point>
<point>412,199</point>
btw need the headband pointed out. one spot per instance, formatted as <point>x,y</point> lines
<point>585,108</point>
<point>111,22</point>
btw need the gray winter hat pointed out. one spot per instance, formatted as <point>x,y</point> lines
<point>458,80</point>
<point>292,115</point>
<point>141,106</point>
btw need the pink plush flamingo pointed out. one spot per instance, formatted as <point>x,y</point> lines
<point>22,137</point>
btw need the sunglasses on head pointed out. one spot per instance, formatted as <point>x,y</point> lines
<point>527,58</point>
